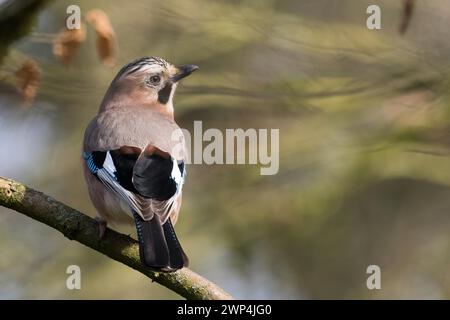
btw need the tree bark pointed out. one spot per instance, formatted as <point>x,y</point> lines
<point>79,227</point>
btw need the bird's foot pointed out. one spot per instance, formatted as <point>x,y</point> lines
<point>101,227</point>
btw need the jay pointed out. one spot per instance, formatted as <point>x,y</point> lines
<point>129,165</point>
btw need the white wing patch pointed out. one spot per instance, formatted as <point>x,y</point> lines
<point>108,164</point>
<point>176,173</point>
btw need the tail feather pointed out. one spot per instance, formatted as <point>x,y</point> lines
<point>153,248</point>
<point>159,247</point>
<point>178,259</point>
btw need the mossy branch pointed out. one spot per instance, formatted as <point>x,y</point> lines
<point>79,227</point>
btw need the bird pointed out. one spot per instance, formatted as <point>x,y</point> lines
<point>129,161</point>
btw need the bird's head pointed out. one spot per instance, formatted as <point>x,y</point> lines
<point>149,81</point>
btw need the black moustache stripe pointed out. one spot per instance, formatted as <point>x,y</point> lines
<point>164,93</point>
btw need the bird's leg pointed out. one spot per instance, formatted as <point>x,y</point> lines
<point>101,227</point>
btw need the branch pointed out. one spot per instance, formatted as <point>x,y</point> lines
<point>78,226</point>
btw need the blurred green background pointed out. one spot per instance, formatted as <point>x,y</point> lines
<point>364,123</point>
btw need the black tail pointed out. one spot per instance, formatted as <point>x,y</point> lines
<point>159,247</point>
<point>178,259</point>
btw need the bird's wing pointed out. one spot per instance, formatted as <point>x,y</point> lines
<point>119,149</point>
<point>150,184</point>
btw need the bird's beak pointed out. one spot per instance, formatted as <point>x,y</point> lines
<point>183,71</point>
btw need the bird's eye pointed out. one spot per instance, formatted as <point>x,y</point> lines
<point>154,80</point>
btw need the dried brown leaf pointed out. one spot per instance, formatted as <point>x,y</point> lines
<point>67,42</point>
<point>28,77</point>
<point>106,37</point>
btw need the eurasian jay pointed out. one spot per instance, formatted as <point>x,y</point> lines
<point>129,165</point>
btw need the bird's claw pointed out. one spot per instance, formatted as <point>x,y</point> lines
<point>101,228</point>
